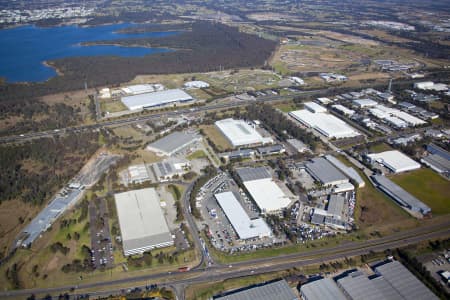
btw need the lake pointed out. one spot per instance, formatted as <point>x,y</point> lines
<point>24,49</point>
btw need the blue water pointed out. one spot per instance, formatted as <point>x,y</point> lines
<point>24,49</point>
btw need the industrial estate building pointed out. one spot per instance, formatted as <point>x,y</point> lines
<point>394,160</point>
<point>49,214</point>
<point>245,227</point>
<point>326,124</point>
<point>390,281</point>
<point>268,196</point>
<point>324,172</point>
<point>239,133</point>
<point>395,117</point>
<point>142,88</point>
<point>167,169</point>
<point>438,164</point>
<point>279,290</point>
<point>322,289</point>
<point>155,99</point>
<point>196,84</point>
<point>173,143</point>
<point>348,171</point>
<point>142,223</point>
<point>402,197</point>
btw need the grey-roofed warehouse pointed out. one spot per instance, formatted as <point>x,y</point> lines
<point>142,223</point>
<point>400,195</point>
<point>279,290</point>
<point>359,287</point>
<point>48,215</point>
<point>404,282</point>
<point>322,170</point>
<point>348,171</point>
<point>322,289</point>
<point>437,163</point>
<point>248,174</point>
<point>174,142</point>
<point>154,99</point>
<point>336,205</point>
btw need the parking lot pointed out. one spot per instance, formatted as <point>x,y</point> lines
<point>101,246</point>
<point>221,233</point>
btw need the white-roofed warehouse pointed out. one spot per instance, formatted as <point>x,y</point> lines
<point>394,160</point>
<point>245,227</point>
<point>142,223</point>
<point>326,124</point>
<point>264,191</point>
<point>161,98</point>
<point>239,133</point>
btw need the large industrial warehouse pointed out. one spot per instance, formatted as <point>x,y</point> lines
<point>395,161</point>
<point>245,227</point>
<point>173,143</point>
<point>323,171</point>
<point>239,133</point>
<point>154,99</point>
<point>142,221</point>
<point>279,290</point>
<point>401,196</point>
<point>269,197</point>
<point>390,280</point>
<point>326,124</point>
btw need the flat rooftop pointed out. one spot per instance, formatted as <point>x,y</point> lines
<point>325,172</point>
<point>249,174</point>
<point>240,133</point>
<point>173,142</point>
<point>395,160</point>
<point>278,290</point>
<point>322,289</point>
<point>245,227</point>
<point>326,124</point>
<point>142,222</point>
<point>155,99</point>
<point>402,280</point>
<point>267,194</point>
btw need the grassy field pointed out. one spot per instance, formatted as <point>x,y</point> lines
<point>427,186</point>
<point>216,137</point>
<point>375,211</point>
<point>197,154</point>
<point>112,106</point>
<point>286,107</point>
<point>381,147</point>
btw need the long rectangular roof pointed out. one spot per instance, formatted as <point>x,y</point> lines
<point>155,99</point>
<point>400,195</point>
<point>323,171</point>
<point>328,125</point>
<point>141,219</point>
<point>404,282</point>
<point>267,194</point>
<point>239,133</point>
<point>174,142</point>
<point>242,224</point>
<point>323,289</point>
<point>359,287</point>
<point>437,162</point>
<point>349,171</point>
<point>395,160</point>
<point>278,290</point>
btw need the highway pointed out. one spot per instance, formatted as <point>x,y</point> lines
<point>255,266</point>
<point>153,116</point>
